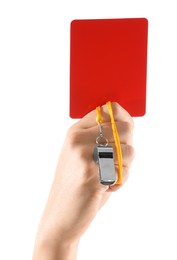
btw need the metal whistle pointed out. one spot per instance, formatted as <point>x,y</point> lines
<point>103,155</point>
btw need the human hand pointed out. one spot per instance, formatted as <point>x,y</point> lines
<point>76,194</point>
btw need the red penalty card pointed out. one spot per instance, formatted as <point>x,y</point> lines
<point>108,62</point>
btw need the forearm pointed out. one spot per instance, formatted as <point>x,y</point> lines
<point>62,251</point>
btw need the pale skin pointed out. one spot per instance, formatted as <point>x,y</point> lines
<point>76,194</point>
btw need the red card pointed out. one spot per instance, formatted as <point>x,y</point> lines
<point>108,62</point>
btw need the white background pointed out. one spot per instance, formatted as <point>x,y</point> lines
<point>139,221</point>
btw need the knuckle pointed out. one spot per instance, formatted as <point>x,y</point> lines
<point>131,151</point>
<point>128,127</point>
<point>130,154</point>
<point>77,142</point>
<point>73,137</point>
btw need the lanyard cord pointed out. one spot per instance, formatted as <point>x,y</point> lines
<point>116,137</point>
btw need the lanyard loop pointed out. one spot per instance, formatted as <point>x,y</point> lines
<point>101,140</point>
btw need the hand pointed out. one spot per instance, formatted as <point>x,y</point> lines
<point>76,194</point>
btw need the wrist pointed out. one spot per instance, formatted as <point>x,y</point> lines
<point>46,249</point>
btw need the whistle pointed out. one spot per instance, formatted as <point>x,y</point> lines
<point>104,157</point>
